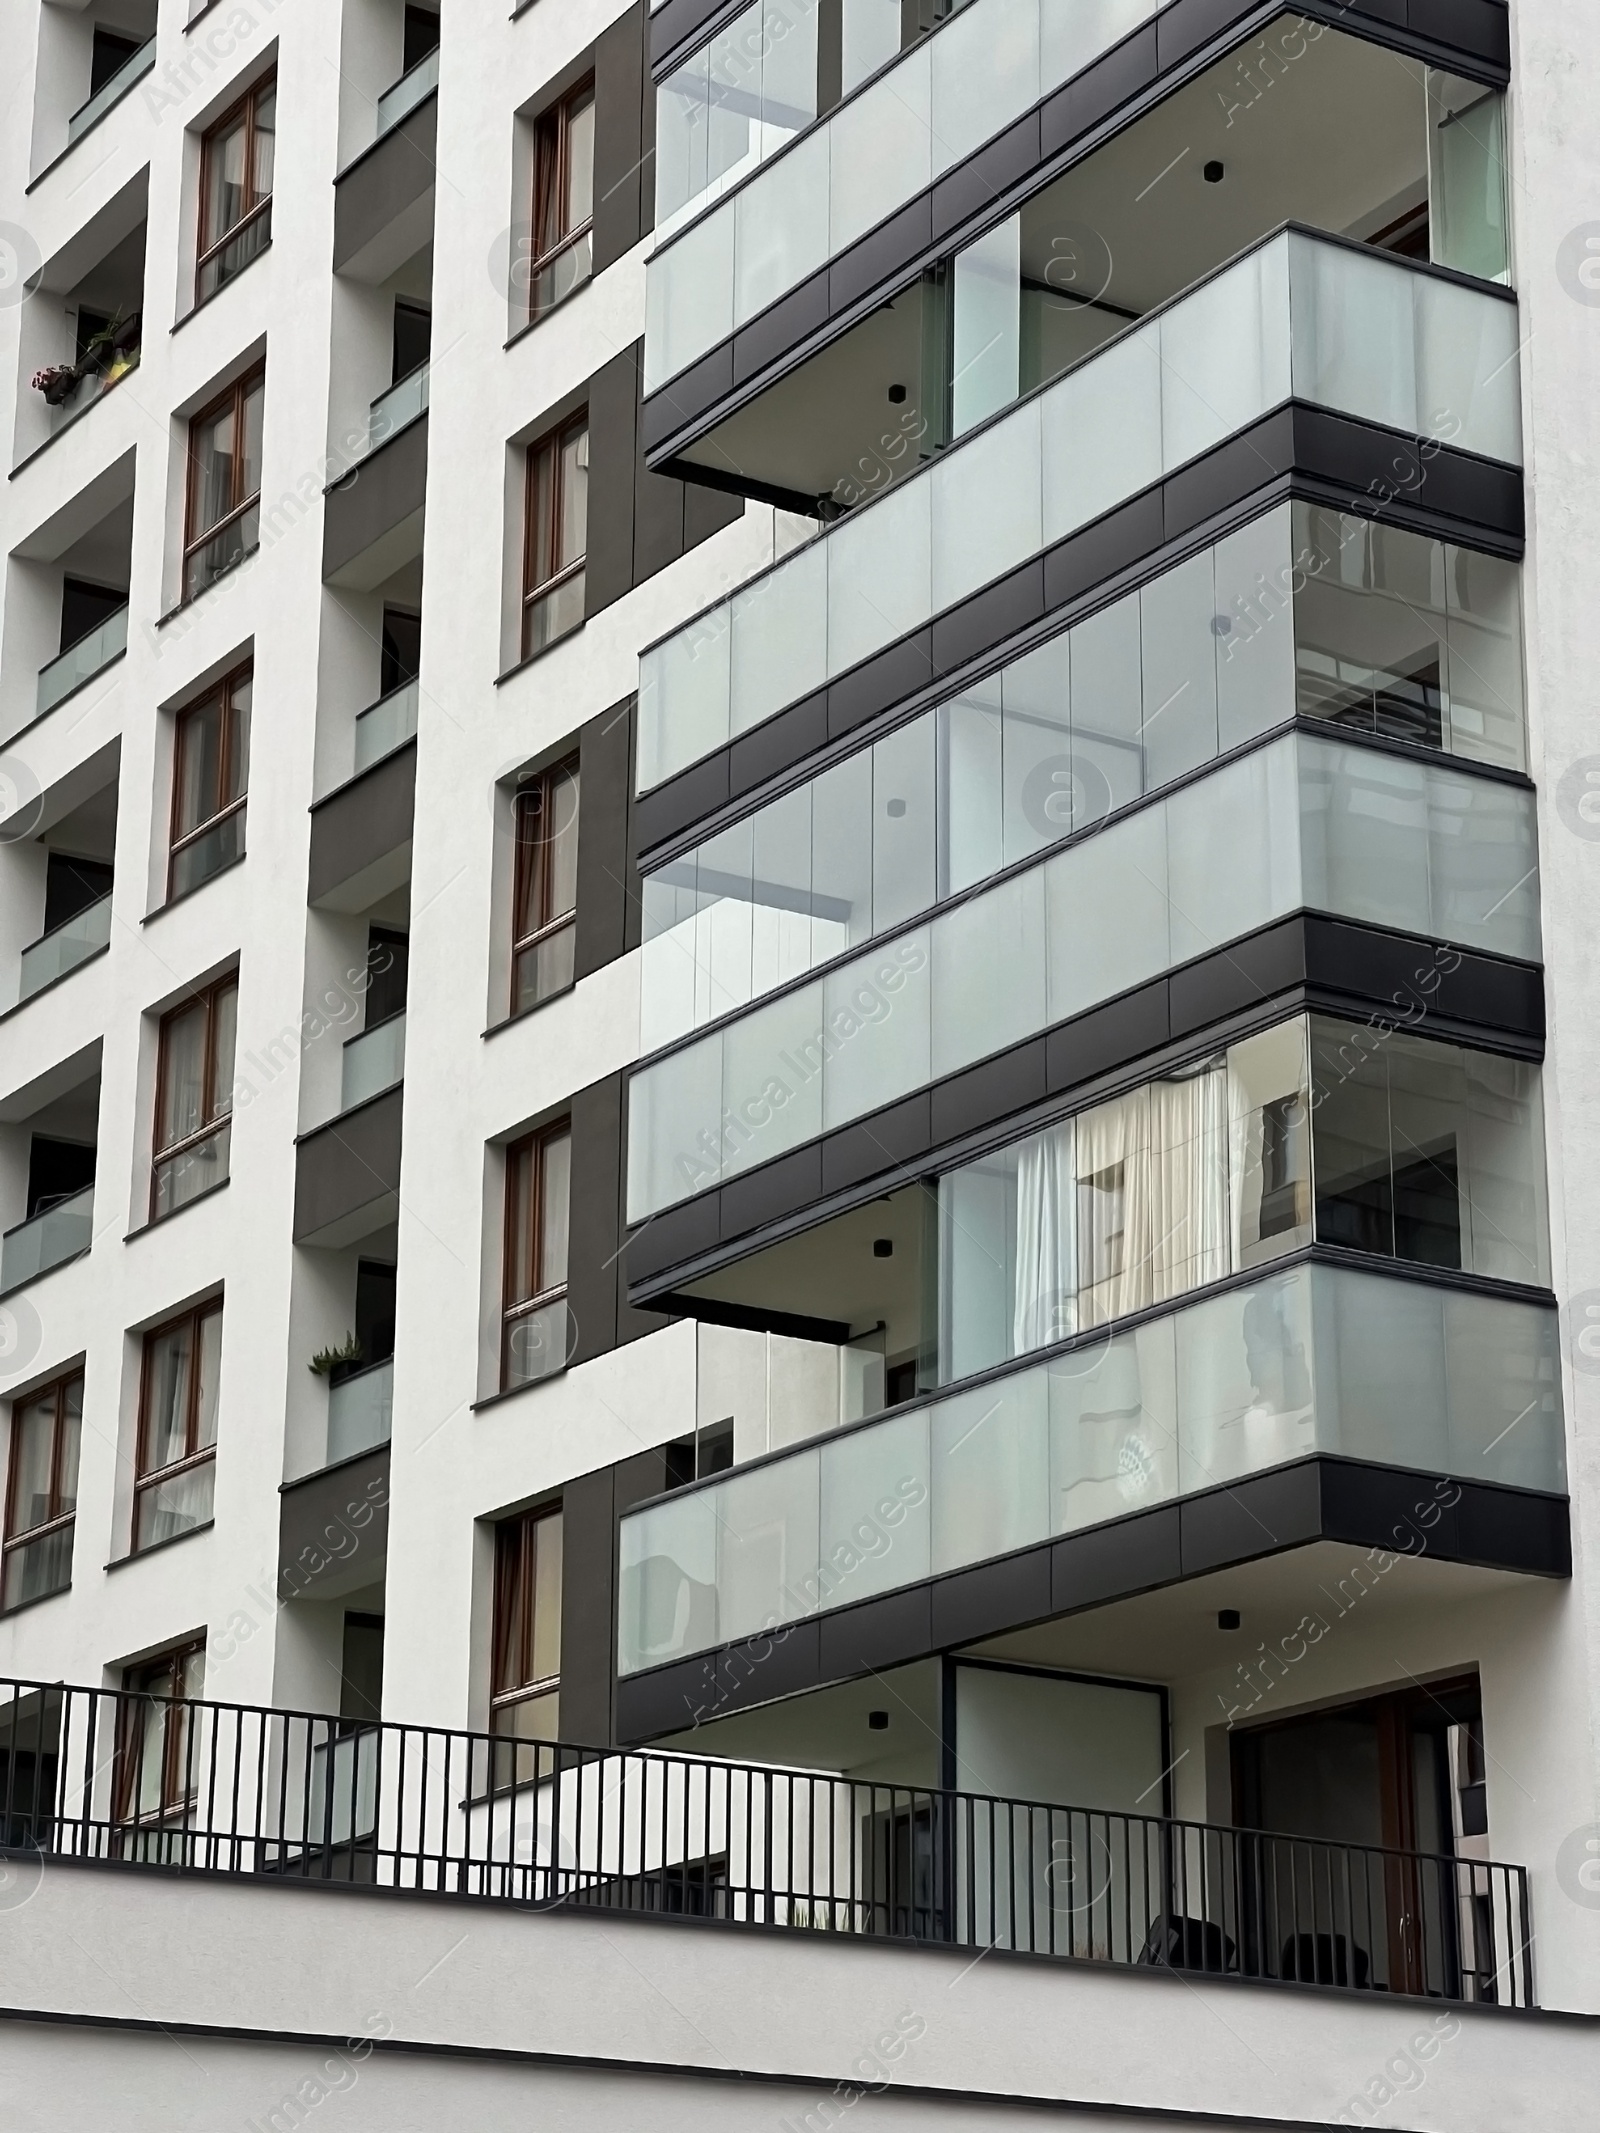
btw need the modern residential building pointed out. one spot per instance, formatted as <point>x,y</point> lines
<point>797,1068</point>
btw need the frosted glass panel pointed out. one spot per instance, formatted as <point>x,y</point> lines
<point>875,1509</point>
<point>985,72</point>
<point>668,1581</point>
<point>689,307</point>
<point>1354,338</point>
<point>782,227</point>
<point>1466,369</point>
<point>779,638</point>
<point>674,1131</point>
<point>991,1468</point>
<point>986,342</point>
<point>683,698</point>
<point>1244,1382</point>
<point>989,973</point>
<point>880,150</point>
<point>1225,354</point>
<point>766,1545</point>
<point>772,1079</point>
<point>986,507</point>
<point>1101,435</point>
<point>1113,1428</point>
<point>878,575</point>
<point>877,1014</point>
<point>1106,903</point>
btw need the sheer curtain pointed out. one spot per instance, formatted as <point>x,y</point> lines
<point>1044,1289</point>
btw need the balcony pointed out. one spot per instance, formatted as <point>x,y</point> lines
<point>360,1411</point>
<point>133,70</point>
<point>373,1061</point>
<point>82,661</point>
<point>914,121</point>
<point>393,410</point>
<point>386,725</point>
<point>291,1796</point>
<point>1299,317</point>
<point>49,1239</point>
<point>402,97</point>
<point>62,949</point>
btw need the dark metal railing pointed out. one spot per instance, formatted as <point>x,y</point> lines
<point>204,1787</point>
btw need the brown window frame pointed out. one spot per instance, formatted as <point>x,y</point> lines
<point>552,174</point>
<point>180,841</point>
<point>146,1477</point>
<point>535,864</point>
<point>140,1693</point>
<point>551,444</point>
<point>209,243</point>
<point>57,1520</point>
<point>512,1568</point>
<point>513,1310</point>
<point>237,393</point>
<point>216,1118</point>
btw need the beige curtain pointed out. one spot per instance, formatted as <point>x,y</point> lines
<point>1152,1195</point>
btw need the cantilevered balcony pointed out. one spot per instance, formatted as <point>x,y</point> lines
<point>1300,317</point>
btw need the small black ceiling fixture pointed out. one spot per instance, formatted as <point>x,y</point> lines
<point>1212,173</point>
<point>1227,1618</point>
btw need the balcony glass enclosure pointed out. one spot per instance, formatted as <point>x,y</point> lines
<point>132,69</point>
<point>1301,823</point>
<point>1303,611</point>
<point>65,947</point>
<point>360,1411</point>
<point>1312,1359</point>
<point>403,96</point>
<point>52,1237</point>
<point>373,1061</point>
<point>1300,316</point>
<point>400,406</point>
<point>935,107</point>
<point>80,662</point>
<point>385,725</point>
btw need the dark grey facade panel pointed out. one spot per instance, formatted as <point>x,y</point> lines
<point>348,1171</point>
<point>1388,1509</point>
<point>379,188</point>
<point>607,881</point>
<point>360,825</point>
<point>375,499</point>
<point>333,1528</point>
<point>624,108</point>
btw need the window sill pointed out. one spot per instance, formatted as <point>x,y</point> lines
<point>161,1221</point>
<point>221,578</point>
<point>71,423</point>
<point>512,1392</point>
<point>233,280</point>
<point>32,1280</point>
<point>522,1014</point>
<point>550,310</point>
<point>544,651</point>
<point>184,895</point>
<point>93,957</point>
<point>172,1540</point>
<point>21,1607</point>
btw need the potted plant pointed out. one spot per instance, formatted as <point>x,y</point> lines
<point>336,1363</point>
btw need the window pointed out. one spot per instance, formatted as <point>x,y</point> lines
<point>157,1762</point>
<point>236,189</point>
<point>420,37</point>
<point>543,926</point>
<point>526,1695</point>
<point>563,202</point>
<point>557,534</point>
<point>223,521</point>
<point>178,1426</point>
<point>42,1491</point>
<point>533,1335</point>
<point>211,762</point>
<point>400,649</point>
<point>194,1098</point>
<point>108,55</point>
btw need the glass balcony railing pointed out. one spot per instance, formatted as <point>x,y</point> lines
<point>403,96</point>
<point>1316,1359</point>
<point>383,726</point>
<point>1300,316</point>
<point>947,95</point>
<point>360,1411</point>
<point>80,662</point>
<point>1301,823</point>
<point>373,1062</point>
<point>136,65</point>
<point>65,946</point>
<point>52,1237</point>
<point>405,400</point>
<point>1304,611</point>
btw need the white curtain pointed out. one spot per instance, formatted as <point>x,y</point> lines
<point>1044,1289</point>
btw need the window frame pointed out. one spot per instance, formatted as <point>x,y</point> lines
<point>140,1704</point>
<point>532,866</point>
<point>207,242</point>
<point>235,394</point>
<point>180,841</point>
<point>512,1569</point>
<point>146,1478</point>
<point>513,1310</point>
<point>551,445</point>
<point>552,173</point>
<point>13,1538</point>
<point>215,1120</point>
